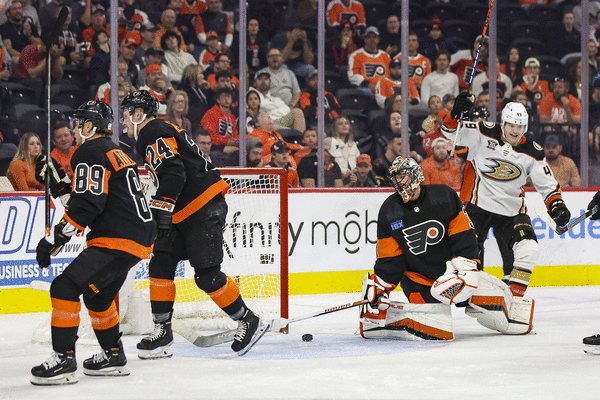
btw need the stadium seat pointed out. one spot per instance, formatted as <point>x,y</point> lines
<point>374,9</point>
<point>358,121</point>
<point>509,13</point>
<point>543,13</point>
<point>13,93</point>
<point>549,65</point>
<point>68,95</point>
<point>354,99</point>
<point>421,27</point>
<point>415,10</point>
<point>290,135</point>
<point>76,76</point>
<point>444,11</point>
<point>460,43</point>
<point>334,81</point>
<point>475,12</point>
<point>459,28</point>
<point>527,29</point>
<point>529,47</point>
<point>31,118</point>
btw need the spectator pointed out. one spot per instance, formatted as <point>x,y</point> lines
<point>419,65</point>
<point>207,57</point>
<point>387,86</point>
<point>68,38</point>
<point>177,109</point>
<point>310,141</point>
<point>574,77</point>
<point>351,11</point>
<point>513,67</point>
<point>126,55</point>
<point>435,42</point>
<point>17,32</point>
<point>32,66</point>
<point>200,95</point>
<point>594,116</point>
<point>561,107</point>
<point>167,23</point>
<point>214,20</point>
<point>29,11</point>
<point>280,154</point>
<point>380,123</point>
<point>296,51</point>
<point>283,82</point>
<point>49,12</point>
<point>518,95</point>
<point>343,147</point>
<point>221,123</point>
<point>203,140</point>
<point>563,168</point>
<point>503,83</point>
<point>98,23</point>
<point>441,81</point>
<point>592,57</point>
<point>64,146</point>
<point>308,102</point>
<point>340,48</point>
<point>267,135</point>
<point>306,13</point>
<point>21,171</point>
<point>252,109</point>
<point>462,62</point>
<point>438,168</point>
<point>256,47</point>
<point>308,168</point>
<point>282,115</point>
<point>147,36</point>
<point>435,106</point>
<point>390,39</point>
<point>382,164</point>
<point>535,88</point>
<point>157,87</point>
<point>99,63</point>
<point>103,92</point>
<point>175,58</point>
<point>152,56</point>
<point>367,65</point>
<point>222,63</point>
<point>394,128</point>
<point>565,38</point>
<point>254,150</point>
<point>363,172</point>
<point>264,12</point>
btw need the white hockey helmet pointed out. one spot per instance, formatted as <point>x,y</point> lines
<point>406,175</point>
<point>515,113</point>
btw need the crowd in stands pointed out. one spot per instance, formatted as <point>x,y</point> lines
<point>185,52</point>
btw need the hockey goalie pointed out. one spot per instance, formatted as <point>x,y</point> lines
<point>426,244</point>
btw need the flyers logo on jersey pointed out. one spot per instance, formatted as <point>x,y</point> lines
<point>425,234</point>
<point>373,70</point>
<point>501,170</point>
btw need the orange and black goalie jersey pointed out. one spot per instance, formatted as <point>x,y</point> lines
<point>107,197</point>
<point>417,238</point>
<point>178,168</point>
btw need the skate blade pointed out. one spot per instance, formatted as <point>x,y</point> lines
<point>62,379</point>
<point>260,332</point>
<point>111,371</point>
<point>591,349</point>
<point>161,352</point>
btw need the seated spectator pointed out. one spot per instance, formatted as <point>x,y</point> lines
<point>574,78</point>
<point>535,88</point>
<point>435,42</point>
<point>309,106</point>
<point>462,62</point>
<point>32,66</point>
<point>64,146</point>
<point>21,171</point>
<point>147,36</point>
<point>17,32</point>
<point>8,145</point>
<point>565,38</point>
<point>280,154</point>
<point>214,20</point>
<point>339,48</point>
<point>254,150</point>
<point>222,64</point>
<point>252,109</point>
<point>441,81</point>
<point>99,63</point>
<point>67,37</point>
<point>513,67</point>
<point>594,117</point>
<point>343,147</point>
<point>306,14</point>
<point>224,79</point>
<point>387,86</point>
<point>308,168</point>
<point>200,95</point>
<point>310,141</point>
<point>503,84</point>
<point>49,13</point>
<point>152,56</point>
<point>382,164</point>
<point>177,109</point>
<point>206,59</point>
<point>518,95</point>
<point>167,23</point>
<point>363,175</point>
<point>175,58</point>
<point>282,115</point>
<point>367,65</point>
<point>157,87</point>
<point>267,135</point>
<point>126,54</point>
<point>221,123</point>
<point>203,140</point>
<point>351,11</point>
<point>296,51</point>
<point>438,168</point>
<point>256,47</point>
<point>563,168</point>
<point>283,82</point>
<point>435,106</point>
<point>390,39</point>
<point>393,129</point>
<point>561,107</point>
<point>419,65</point>
<point>29,11</point>
<point>98,24</point>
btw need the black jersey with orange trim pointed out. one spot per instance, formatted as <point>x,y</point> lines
<point>178,168</point>
<point>418,237</point>
<point>106,189</point>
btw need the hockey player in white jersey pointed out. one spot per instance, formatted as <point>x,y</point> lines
<point>499,160</point>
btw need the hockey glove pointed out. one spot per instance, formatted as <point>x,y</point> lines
<point>462,104</point>
<point>595,202</point>
<point>458,283</point>
<point>559,212</point>
<point>162,212</point>
<point>63,232</point>
<point>60,185</point>
<point>376,290</point>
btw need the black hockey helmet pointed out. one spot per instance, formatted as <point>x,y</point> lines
<point>96,111</point>
<point>479,112</point>
<point>141,99</point>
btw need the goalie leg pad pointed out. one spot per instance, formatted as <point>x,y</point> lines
<point>413,322</point>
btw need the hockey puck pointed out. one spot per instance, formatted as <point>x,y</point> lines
<point>307,337</point>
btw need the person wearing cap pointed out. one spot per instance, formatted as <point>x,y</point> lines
<point>207,56</point>
<point>363,172</point>
<point>308,168</point>
<point>17,32</point>
<point>265,131</point>
<point>157,87</point>
<point>29,11</point>
<point>560,107</point>
<point>168,20</point>
<point>126,55</point>
<point>222,123</point>
<point>152,55</point>
<point>441,81</point>
<point>296,51</point>
<point>563,168</point>
<point>435,42</point>
<point>438,168</point>
<point>367,65</point>
<point>390,39</point>
<point>462,61</point>
<point>350,10</point>
<point>97,24</point>
<point>535,87</point>
<point>147,36</point>
<point>308,102</point>
<point>280,155</point>
<point>213,19</point>
<point>503,83</point>
<point>387,86</point>
<point>284,83</point>
<point>175,58</point>
<point>420,66</point>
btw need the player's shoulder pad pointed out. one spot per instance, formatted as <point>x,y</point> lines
<point>155,129</point>
<point>490,129</point>
<point>440,194</point>
<point>92,152</point>
<point>532,149</point>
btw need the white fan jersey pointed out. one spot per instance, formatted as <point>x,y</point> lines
<point>496,172</point>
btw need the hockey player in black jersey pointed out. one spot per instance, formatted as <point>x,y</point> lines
<point>106,189</point>
<point>189,208</point>
<point>591,344</point>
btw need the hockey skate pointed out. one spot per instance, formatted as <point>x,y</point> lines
<point>250,330</point>
<point>591,344</point>
<point>107,363</point>
<point>59,369</point>
<point>162,338</point>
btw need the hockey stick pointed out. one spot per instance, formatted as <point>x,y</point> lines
<point>198,340</point>
<point>543,214</point>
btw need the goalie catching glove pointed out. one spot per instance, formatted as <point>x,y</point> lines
<point>63,232</point>
<point>60,184</point>
<point>462,105</point>
<point>377,291</point>
<point>559,212</point>
<point>458,283</point>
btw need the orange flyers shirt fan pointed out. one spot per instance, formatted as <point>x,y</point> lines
<point>370,66</point>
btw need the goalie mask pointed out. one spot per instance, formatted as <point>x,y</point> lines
<point>98,113</point>
<point>516,114</point>
<point>406,175</point>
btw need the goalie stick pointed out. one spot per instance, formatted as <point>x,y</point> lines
<point>543,214</point>
<point>198,340</point>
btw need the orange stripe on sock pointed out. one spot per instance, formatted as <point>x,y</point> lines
<point>65,313</point>
<point>162,289</point>
<point>227,294</point>
<point>102,320</point>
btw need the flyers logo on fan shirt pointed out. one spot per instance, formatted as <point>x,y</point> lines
<point>373,70</point>
<point>225,128</point>
<point>501,170</point>
<point>415,71</point>
<point>352,18</point>
<point>425,234</point>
